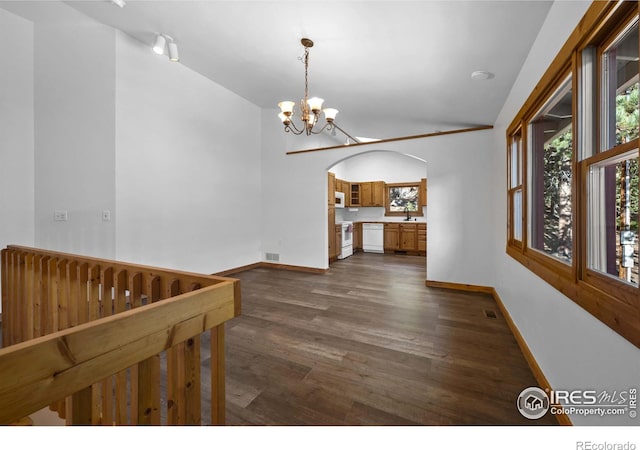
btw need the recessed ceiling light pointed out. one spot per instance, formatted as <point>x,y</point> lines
<point>482,75</point>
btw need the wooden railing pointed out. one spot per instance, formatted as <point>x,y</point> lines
<point>105,342</point>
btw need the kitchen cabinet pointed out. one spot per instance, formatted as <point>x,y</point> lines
<point>391,236</point>
<point>331,221</point>
<point>372,193</point>
<point>342,186</point>
<point>357,236</point>
<point>354,194</point>
<point>423,192</point>
<point>408,237</point>
<point>405,237</point>
<point>422,238</point>
<point>331,188</point>
<point>337,230</point>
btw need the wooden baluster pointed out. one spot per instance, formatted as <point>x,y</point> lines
<point>135,301</point>
<point>15,319</point>
<point>107,283</point>
<point>72,292</point>
<point>94,314</point>
<point>120,305</point>
<point>29,280</point>
<point>175,377</point>
<point>37,296</point>
<point>217,376</point>
<point>44,295</point>
<point>4,277</point>
<point>149,372</point>
<point>192,383</point>
<point>83,293</point>
<point>62,294</point>
<point>52,310</point>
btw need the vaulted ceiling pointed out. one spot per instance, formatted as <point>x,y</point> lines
<point>392,68</point>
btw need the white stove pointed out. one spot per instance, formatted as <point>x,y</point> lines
<point>347,239</point>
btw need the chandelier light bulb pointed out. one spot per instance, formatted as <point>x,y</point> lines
<point>315,104</point>
<point>286,107</point>
<point>330,114</point>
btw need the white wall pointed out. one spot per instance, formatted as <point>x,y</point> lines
<point>574,350</point>
<point>16,132</point>
<point>74,87</point>
<point>187,169</point>
<point>390,167</point>
<point>459,201</point>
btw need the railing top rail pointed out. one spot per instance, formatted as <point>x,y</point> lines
<point>40,371</point>
<point>204,280</point>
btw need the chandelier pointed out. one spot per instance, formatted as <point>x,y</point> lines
<point>310,108</point>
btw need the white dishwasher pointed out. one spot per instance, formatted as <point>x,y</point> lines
<point>373,237</point>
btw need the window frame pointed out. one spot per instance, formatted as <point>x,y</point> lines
<point>387,206</point>
<point>612,301</point>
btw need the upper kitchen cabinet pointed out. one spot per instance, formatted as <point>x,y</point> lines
<point>423,192</point>
<point>372,193</point>
<point>331,189</point>
<point>354,194</point>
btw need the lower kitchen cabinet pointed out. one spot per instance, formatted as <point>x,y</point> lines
<point>357,236</point>
<point>405,237</point>
<point>391,236</point>
<point>422,237</point>
<point>408,236</point>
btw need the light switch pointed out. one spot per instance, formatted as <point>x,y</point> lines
<point>106,215</point>
<point>60,215</point>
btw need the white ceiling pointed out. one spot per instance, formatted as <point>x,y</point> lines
<point>392,68</point>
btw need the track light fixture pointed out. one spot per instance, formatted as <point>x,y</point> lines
<point>164,40</point>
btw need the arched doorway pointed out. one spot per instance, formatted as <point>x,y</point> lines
<point>374,199</point>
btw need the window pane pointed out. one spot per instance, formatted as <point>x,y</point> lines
<point>402,199</point>
<point>613,217</point>
<point>515,161</point>
<point>620,62</point>
<point>552,160</point>
<point>517,215</point>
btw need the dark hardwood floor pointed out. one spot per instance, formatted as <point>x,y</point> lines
<point>368,344</point>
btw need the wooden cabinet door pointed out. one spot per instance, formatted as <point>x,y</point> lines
<point>408,236</point>
<point>338,233</point>
<point>331,188</point>
<point>422,237</point>
<point>365,194</point>
<point>354,194</point>
<point>391,236</point>
<point>331,229</point>
<point>357,236</point>
<point>423,192</point>
<point>377,193</point>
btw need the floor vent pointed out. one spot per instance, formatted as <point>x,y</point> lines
<point>272,256</point>
<point>489,314</point>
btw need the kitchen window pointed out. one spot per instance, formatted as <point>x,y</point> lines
<point>403,199</point>
<point>572,170</point>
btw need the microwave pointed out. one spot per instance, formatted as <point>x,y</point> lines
<point>339,199</point>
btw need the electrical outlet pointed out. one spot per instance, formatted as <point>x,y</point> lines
<point>106,215</point>
<point>60,215</point>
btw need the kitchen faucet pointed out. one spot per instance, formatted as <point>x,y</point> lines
<point>406,209</point>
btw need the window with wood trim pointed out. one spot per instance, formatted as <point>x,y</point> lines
<point>403,199</point>
<point>515,189</point>
<point>572,164</point>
